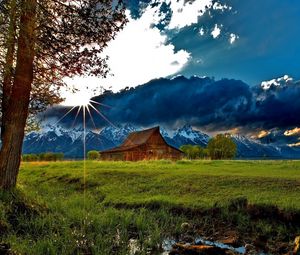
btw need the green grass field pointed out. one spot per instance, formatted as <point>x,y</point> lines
<point>60,208</point>
<point>187,183</point>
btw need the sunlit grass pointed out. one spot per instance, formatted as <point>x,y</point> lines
<point>125,200</point>
<point>192,184</point>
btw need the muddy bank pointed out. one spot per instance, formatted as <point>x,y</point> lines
<point>239,228</point>
<point>203,247</point>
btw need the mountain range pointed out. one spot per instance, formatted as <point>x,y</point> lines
<point>264,117</point>
<point>56,138</point>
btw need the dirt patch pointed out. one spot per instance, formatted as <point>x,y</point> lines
<point>272,212</point>
<point>72,180</point>
<point>239,205</point>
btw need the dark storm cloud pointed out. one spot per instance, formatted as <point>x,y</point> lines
<point>202,102</point>
<point>278,106</point>
<point>198,101</point>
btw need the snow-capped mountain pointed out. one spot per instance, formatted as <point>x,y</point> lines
<point>188,135</point>
<point>55,138</point>
<point>117,134</point>
<point>251,148</point>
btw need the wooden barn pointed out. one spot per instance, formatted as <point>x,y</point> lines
<point>143,145</point>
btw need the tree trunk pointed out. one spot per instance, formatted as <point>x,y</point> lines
<point>8,66</point>
<point>10,154</point>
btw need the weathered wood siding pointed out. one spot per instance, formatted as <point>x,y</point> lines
<point>153,149</point>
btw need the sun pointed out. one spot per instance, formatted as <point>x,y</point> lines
<point>80,98</point>
<point>79,91</point>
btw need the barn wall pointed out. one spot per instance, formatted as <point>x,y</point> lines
<point>147,153</point>
<point>159,149</point>
<point>112,156</point>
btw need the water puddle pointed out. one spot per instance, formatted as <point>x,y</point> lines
<point>168,244</point>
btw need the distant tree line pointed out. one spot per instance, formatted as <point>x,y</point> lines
<point>48,156</point>
<point>51,156</point>
<point>219,147</point>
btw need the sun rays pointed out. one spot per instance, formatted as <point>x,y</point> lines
<point>87,109</point>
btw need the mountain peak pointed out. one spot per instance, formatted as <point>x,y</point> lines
<point>188,133</point>
<point>186,127</point>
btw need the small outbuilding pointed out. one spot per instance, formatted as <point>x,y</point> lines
<point>143,145</point>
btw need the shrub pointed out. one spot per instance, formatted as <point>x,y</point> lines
<point>49,156</point>
<point>93,155</point>
<point>30,157</point>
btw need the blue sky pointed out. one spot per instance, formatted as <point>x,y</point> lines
<point>250,40</point>
<point>268,44</point>
<point>267,47</point>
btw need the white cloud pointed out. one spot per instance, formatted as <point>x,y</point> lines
<point>233,38</point>
<point>216,31</point>
<point>139,53</point>
<point>281,81</point>
<point>185,13</point>
<point>201,31</point>
<point>218,6</point>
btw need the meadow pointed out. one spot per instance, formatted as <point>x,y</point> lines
<point>97,207</point>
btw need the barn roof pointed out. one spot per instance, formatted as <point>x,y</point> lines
<point>135,139</point>
<point>139,137</point>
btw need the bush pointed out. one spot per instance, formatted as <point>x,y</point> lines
<point>222,147</point>
<point>30,157</point>
<point>49,156</point>
<point>93,155</point>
